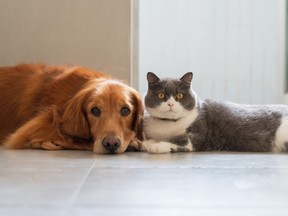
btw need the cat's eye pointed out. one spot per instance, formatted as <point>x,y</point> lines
<point>179,96</point>
<point>161,95</point>
<point>125,111</point>
<point>96,111</point>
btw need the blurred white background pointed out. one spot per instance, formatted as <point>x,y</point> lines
<point>235,48</point>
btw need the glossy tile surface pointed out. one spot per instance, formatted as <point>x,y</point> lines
<point>68,183</point>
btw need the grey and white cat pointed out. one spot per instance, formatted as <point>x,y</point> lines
<point>179,121</point>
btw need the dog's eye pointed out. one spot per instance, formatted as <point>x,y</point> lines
<point>125,111</point>
<point>96,111</point>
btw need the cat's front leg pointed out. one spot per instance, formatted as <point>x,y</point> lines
<point>180,143</point>
<point>183,143</point>
<point>160,147</point>
<point>146,143</point>
<point>152,146</point>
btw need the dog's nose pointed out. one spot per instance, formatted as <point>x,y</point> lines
<point>111,143</point>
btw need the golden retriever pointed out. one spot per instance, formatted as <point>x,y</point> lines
<point>65,107</point>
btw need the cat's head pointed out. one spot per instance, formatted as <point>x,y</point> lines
<point>169,98</point>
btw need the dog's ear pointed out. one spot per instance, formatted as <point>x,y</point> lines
<point>74,120</point>
<point>137,124</point>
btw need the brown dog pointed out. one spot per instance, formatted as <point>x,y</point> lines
<point>67,108</point>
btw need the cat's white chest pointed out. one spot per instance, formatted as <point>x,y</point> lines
<point>163,130</point>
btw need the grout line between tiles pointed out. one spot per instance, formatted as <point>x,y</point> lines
<point>72,200</point>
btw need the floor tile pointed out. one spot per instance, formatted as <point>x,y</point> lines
<point>68,183</point>
<point>176,211</point>
<point>186,188</point>
<point>29,210</point>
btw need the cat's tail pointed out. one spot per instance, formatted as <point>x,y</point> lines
<point>281,137</point>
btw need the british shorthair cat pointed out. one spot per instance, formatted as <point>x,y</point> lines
<point>179,121</point>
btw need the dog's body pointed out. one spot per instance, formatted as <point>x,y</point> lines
<point>67,108</point>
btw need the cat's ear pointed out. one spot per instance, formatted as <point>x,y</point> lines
<point>152,78</point>
<point>187,78</point>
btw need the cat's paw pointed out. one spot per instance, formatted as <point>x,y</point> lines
<point>160,147</point>
<point>146,143</point>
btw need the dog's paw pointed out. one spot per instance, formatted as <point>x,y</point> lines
<point>51,146</point>
<point>160,147</point>
<point>134,145</point>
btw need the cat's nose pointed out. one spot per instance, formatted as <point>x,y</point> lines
<point>170,105</point>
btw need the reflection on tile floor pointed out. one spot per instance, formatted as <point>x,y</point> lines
<point>68,183</point>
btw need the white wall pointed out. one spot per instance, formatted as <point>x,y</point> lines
<point>92,33</point>
<point>234,47</point>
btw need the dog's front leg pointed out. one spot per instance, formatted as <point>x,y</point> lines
<point>67,143</point>
<point>134,145</point>
<point>41,133</point>
<point>33,134</point>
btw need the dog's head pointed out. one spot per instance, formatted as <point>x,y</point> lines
<point>106,111</point>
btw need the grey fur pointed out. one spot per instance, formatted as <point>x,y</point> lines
<point>219,125</point>
<point>234,127</point>
<point>180,149</point>
<point>181,140</point>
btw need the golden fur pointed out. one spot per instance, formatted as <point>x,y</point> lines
<point>50,108</point>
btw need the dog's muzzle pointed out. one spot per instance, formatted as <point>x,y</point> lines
<point>111,143</point>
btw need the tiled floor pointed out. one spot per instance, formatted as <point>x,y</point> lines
<point>70,183</point>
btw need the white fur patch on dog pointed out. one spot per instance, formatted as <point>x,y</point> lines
<point>281,137</point>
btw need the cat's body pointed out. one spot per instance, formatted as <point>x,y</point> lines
<point>179,121</point>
